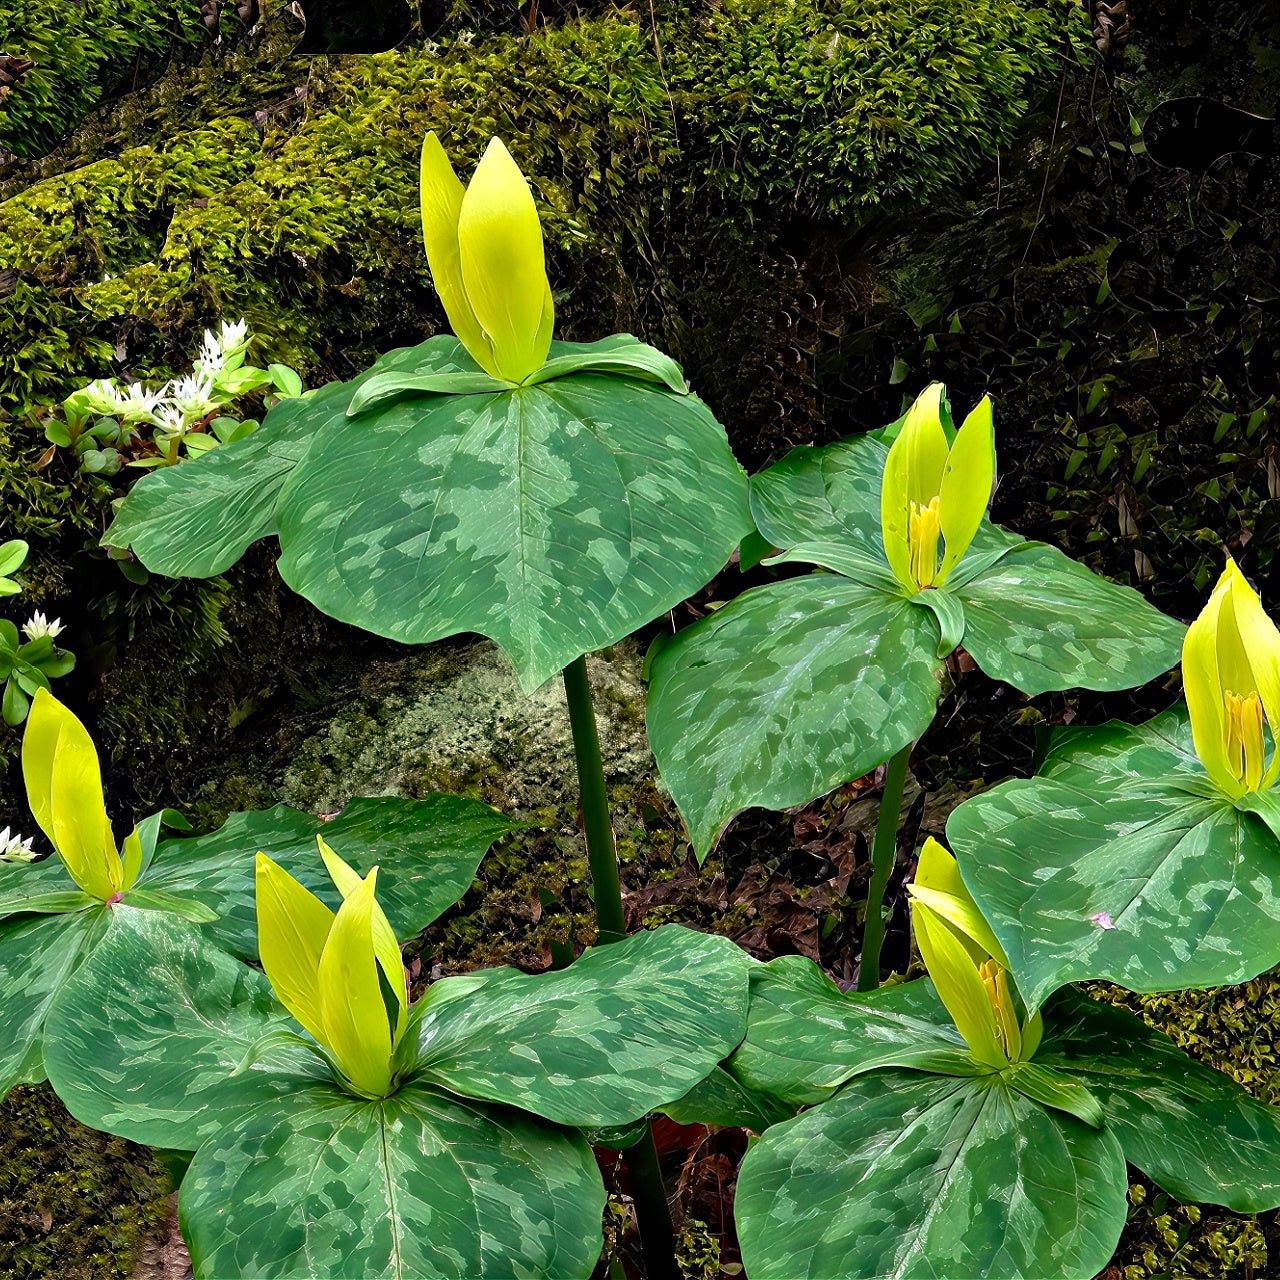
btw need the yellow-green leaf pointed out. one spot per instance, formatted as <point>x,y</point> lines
<point>503,264</point>
<point>293,926</point>
<point>965,489</point>
<point>355,1020</point>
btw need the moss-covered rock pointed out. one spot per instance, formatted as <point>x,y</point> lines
<point>74,1204</point>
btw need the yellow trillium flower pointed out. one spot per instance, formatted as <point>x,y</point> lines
<point>331,969</point>
<point>1231,677</point>
<point>967,964</point>
<point>484,246</point>
<point>64,789</point>
<point>934,495</point>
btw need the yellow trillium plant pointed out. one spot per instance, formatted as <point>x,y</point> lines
<point>1231,677</point>
<point>338,973</point>
<point>934,494</point>
<point>967,964</point>
<point>484,246</point>
<point>64,788</point>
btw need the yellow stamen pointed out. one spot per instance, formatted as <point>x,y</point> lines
<point>922,537</point>
<point>995,978</point>
<point>1242,728</point>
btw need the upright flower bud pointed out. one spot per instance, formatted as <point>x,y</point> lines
<point>933,495</point>
<point>331,970</point>
<point>484,246</point>
<point>1231,677</point>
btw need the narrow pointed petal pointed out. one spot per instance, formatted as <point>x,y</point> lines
<point>293,926</point>
<point>938,885</point>
<point>64,786</point>
<point>959,986</point>
<point>355,1018</point>
<point>912,474</point>
<point>503,264</point>
<point>965,490</point>
<point>386,948</point>
<point>1203,690</point>
<point>895,516</point>
<point>441,199</point>
<point>131,859</point>
<point>1260,640</point>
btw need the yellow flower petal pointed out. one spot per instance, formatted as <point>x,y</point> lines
<point>356,1027</point>
<point>912,478</point>
<point>959,985</point>
<point>1203,691</point>
<point>386,948</point>
<point>1260,641</point>
<point>441,200</point>
<point>965,490</point>
<point>503,264</point>
<point>64,789</point>
<point>938,885</point>
<point>293,927</point>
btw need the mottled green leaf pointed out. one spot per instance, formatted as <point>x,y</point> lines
<point>555,518</point>
<point>620,354</point>
<point>36,955</point>
<point>787,692</point>
<point>1090,874</point>
<point>624,1029</point>
<point>427,852</point>
<point>722,1099</point>
<point>143,1038</point>
<point>1190,1128</point>
<point>196,519</point>
<point>25,883</point>
<point>420,1185</point>
<point>904,1174</point>
<point>805,1037</point>
<point>1041,621</point>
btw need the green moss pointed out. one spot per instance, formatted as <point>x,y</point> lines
<point>81,48</point>
<point>74,1204</point>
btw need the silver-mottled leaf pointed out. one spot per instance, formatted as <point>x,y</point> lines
<point>904,1174</point>
<point>790,690</point>
<point>417,1187</point>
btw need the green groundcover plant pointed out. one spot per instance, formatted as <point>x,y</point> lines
<point>55,913</point>
<point>338,1129</point>
<point>1149,855</point>
<point>799,686</point>
<point>950,1132</point>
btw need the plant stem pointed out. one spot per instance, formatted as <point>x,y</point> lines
<point>653,1213</point>
<point>884,849</point>
<point>601,852</point>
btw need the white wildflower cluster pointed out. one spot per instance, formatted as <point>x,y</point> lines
<point>13,848</point>
<point>40,626</point>
<point>180,403</point>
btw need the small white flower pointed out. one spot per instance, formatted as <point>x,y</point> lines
<point>431,48</point>
<point>135,403</point>
<point>233,336</point>
<point>210,359</point>
<point>13,848</point>
<point>466,38</point>
<point>100,396</point>
<point>170,420</point>
<point>40,626</point>
<point>191,397</point>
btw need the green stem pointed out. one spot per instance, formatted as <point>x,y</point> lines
<point>653,1213</point>
<point>884,849</point>
<point>601,852</point>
